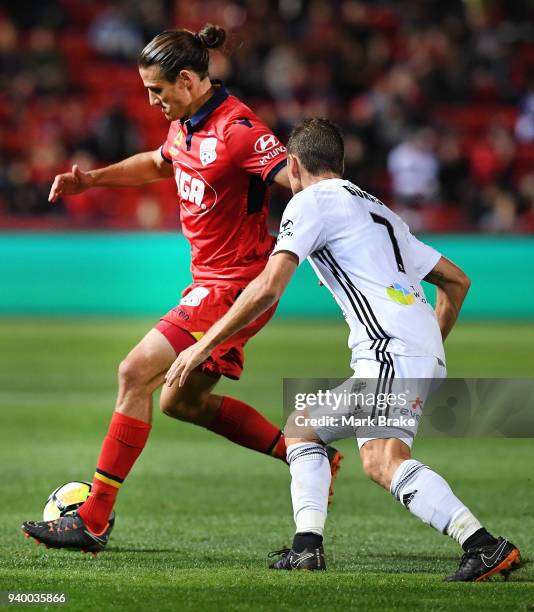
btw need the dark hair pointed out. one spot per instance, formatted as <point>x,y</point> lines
<point>174,50</point>
<point>319,146</point>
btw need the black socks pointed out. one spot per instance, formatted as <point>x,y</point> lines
<point>478,539</point>
<point>308,540</point>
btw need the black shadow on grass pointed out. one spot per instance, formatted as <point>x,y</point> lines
<point>141,550</point>
<point>426,564</point>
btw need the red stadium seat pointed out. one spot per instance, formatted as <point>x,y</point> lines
<point>475,119</point>
<point>524,159</point>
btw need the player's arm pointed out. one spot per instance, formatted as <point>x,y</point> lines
<point>282,178</point>
<point>137,170</point>
<point>259,295</point>
<point>452,285</point>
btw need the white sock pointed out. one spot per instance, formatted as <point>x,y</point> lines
<point>463,525</point>
<point>428,496</point>
<point>310,482</point>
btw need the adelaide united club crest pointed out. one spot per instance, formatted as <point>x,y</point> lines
<point>208,154</point>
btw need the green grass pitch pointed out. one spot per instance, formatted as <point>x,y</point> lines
<point>198,515</point>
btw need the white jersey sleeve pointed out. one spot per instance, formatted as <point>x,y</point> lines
<point>424,257</point>
<point>302,230</point>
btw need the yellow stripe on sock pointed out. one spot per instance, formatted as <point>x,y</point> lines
<point>108,481</point>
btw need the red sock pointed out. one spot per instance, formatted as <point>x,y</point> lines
<point>122,445</point>
<point>244,425</point>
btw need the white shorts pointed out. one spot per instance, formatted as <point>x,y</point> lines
<point>401,383</point>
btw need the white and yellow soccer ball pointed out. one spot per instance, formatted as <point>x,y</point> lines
<point>66,499</point>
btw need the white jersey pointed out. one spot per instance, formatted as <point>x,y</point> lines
<point>371,263</point>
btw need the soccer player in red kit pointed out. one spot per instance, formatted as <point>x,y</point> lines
<point>223,158</point>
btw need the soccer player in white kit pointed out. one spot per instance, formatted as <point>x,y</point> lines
<point>373,266</point>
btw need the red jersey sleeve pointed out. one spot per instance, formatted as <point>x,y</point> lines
<point>254,148</point>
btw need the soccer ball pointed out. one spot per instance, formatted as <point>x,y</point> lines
<point>66,499</point>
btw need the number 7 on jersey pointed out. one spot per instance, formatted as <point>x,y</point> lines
<point>396,251</point>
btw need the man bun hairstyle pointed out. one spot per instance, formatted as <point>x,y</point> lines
<point>319,146</point>
<point>213,36</point>
<point>176,50</point>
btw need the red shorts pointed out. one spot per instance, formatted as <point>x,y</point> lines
<point>202,304</point>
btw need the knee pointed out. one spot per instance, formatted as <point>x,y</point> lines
<point>183,408</point>
<point>132,373</point>
<point>297,429</point>
<point>291,429</point>
<point>176,409</point>
<point>127,372</point>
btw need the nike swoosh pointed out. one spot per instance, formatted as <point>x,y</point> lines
<point>301,559</point>
<point>98,540</point>
<point>494,555</point>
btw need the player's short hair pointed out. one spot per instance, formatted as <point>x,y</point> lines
<point>319,146</point>
<point>175,50</point>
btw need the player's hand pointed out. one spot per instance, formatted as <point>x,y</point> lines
<point>70,183</point>
<point>185,363</point>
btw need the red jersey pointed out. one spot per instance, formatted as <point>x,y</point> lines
<point>224,158</point>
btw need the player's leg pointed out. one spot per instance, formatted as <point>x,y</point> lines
<point>226,416</point>
<point>311,475</point>
<point>310,482</point>
<point>143,371</point>
<point>387,461</point>
<point>233,419</point>
<point>140,374</point>
<point>422,491</point>
<point>429,497</point>
<point>386,454</point>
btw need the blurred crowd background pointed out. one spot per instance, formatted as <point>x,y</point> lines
<point>435,99</point>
